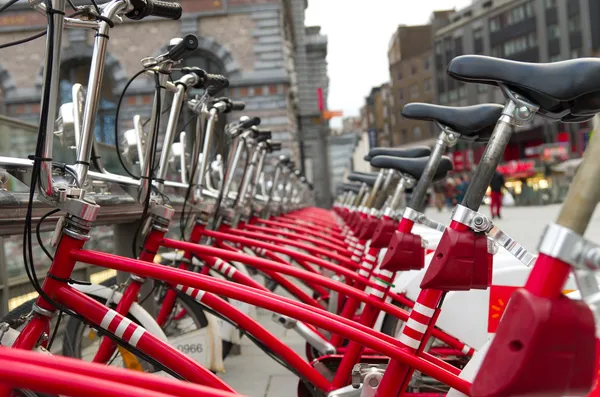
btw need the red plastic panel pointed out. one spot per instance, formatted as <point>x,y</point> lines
<point>405,252</point>
<point>382,236</point>
<point>461,262</point>
<point>543,347</point>
<point>368,228</point>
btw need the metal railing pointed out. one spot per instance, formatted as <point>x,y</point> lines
<point>119,211</point>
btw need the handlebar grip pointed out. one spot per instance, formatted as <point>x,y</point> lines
<point>250,123</point>
<point>157,8</point>
<point>165,9</point>
<point>215,83</point>
<point>238,105</point>
<point>200,73</point>
<point>274,145</point>
<point>263,136</point>
<point>188,44</point>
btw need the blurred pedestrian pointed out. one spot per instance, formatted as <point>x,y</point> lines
<point>450,193</point>
<point>438,195</point>
<point>461,188</point>
<point>496,186</point>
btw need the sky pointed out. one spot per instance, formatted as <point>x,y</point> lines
<point>358,34</point>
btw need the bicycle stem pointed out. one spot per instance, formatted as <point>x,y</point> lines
<point>237,149</point>
<point>94,87</point>
<point>181,87</point>
<point>45,186</point>
<point>145,182</point>
<point>210,125</point>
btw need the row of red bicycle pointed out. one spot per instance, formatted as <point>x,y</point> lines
<point>389,302</point>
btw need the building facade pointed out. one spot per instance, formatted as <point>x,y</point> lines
<point>523,30</point>
<point>376,115</point>
<point>261,46</point>
<point>340,149</point>
<point>411,77</point>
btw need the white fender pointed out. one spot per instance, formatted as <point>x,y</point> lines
<point>212,357</point>
<point>470,370</point>
<point>136,310</point>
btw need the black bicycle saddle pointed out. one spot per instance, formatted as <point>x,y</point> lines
<point>567,91</point>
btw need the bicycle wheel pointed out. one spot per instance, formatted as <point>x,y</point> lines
<point>16,318</point>
<point>185,329</point>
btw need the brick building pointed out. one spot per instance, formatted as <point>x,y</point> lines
<point>410,58</point>
<point>376,115</point>
<point>522,30</point>
<point>260,45</point>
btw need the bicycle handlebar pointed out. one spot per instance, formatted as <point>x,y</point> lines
<point>215,83</point>
<point>237,105</point>
<point>188,44</point>
<point>156,8</point>
<point>254,121</point>
<point>273,145</point>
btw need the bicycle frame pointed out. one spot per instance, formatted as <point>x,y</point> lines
<point>70,251</point>
<point>66,376</point>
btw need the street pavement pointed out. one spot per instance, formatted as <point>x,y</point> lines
<point>255,374</point>
<point>524,224</point>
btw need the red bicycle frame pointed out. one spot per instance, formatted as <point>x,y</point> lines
<point>66,376</point>
<point>70,251</point>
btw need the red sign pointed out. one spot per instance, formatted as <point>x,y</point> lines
<point>458,159</point>
<point>558,151</point>
<point>499,296</point>
<point>320,100</point>
<point>517,167</point>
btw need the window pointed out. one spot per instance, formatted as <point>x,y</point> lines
<point>438,48</point>
<point>555,58</point>
<point>413,68</point>
<point>414,91</point>
<point>532,39</point>
<point>427,85</point>
<point>550,3</point>
<point>575,54</point>
<point>400,94</point>
<point>404,135</point>
<point>553,31</point>
<point>77,71</point>
<point>494,24</point>
<point>574,22</point>
<point>427,63</point>
<point>417,132</point>
<point>452,95</point>
<point>529,10</point>
<point>210,62</point>
<point>482,88</point>
<point>478,34</point>
<point>399,75</point>
<point>516,46</point>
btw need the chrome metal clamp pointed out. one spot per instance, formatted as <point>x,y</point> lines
<point>582,255</point>
<point>369,377</point>
<point>564,244</point>
<point>481,223</point>
<point>422,219</point>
